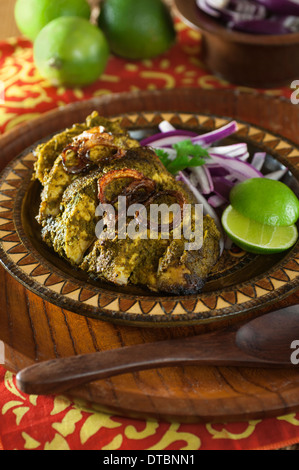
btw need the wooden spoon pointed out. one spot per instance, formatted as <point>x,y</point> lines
<point>266,341</point>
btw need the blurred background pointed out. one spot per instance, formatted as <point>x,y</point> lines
<point>9,27</point>
<point>265,56</point>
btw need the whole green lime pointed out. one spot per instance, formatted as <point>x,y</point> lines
<point>71,51</point>
<point>137,29</point>
<point>266,201</point>
<point>32,15</point>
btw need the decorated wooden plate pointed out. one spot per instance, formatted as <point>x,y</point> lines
<point>40,322</point>
<point>240,281</point>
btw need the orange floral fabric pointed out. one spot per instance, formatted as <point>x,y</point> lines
<point>54,423</point>
<point>30,422</point>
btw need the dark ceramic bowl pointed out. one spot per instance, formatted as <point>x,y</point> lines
<point>259,61</point>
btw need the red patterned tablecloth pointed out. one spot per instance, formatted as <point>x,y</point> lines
<point>54,423</point>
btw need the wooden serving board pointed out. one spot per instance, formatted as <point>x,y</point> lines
<point>36,330</point>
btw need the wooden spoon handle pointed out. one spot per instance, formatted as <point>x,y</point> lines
<point>59,375</point>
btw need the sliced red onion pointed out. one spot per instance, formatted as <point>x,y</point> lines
<point>211,183</point>
<point>234,150</point>
<point>206,8</point>
<point>283,7</point>
<point>241,170</point>
<point>218,4</point>
<point>271,26</point>
<point>217,170</point>
<point>223,187</point>
<point>198,196</point>
<point>203,179</point>
<point>228,243</point>
<point>167,138</point>
<point>244,157</point>
<point>234,10</point>
<point>258,160</point>
<point>232,178</point>
<point>268,17</point>
<point>216,201</point>
<point>207,208</point>
<point>291,23</point>
<point>165,126</point>
<point>216,135</point>
<point>235,154</point>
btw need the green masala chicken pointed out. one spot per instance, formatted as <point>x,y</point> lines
<point>97,163</point>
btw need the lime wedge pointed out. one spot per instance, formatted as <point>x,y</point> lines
<point>266,201</point>
<point>254,237</point>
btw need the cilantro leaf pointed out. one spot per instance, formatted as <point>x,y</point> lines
<point>187,155</point>
<point>186,147</point>
<point>163,155</point>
